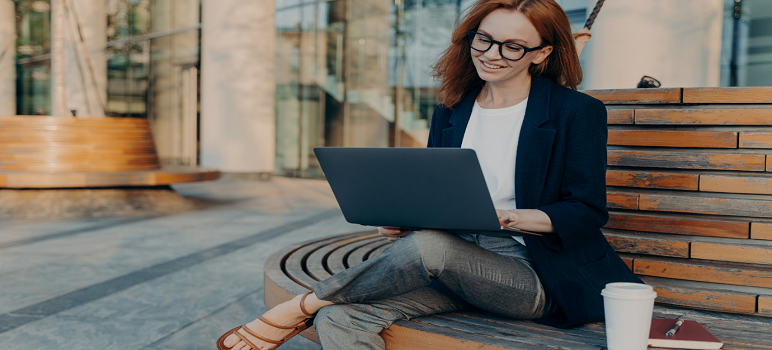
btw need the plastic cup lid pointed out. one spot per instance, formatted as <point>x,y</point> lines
<point>628,290</point>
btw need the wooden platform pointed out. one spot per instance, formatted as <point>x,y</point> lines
<point>61,152</point>
<point>290,271</point>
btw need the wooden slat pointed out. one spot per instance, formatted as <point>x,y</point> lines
<point>621,200</point>
<point>683,225</point>
<point>377,251</point>
<point>415,335</point>
<point>528,337</point>
<point>736,184</point>
<point>702,271</point>
<point>699,116</point>
<point>637,96</point>
<point>728,95</point>
<point>294,266</point>
<point>358,255</point>
<point>744,253</point>
<point>74,129</point>
<point>628,261</point>
<point>761,230</point>
<point>48,120</point>
<point>620,116</point>
<point>126,148</point>
<point>756,139</point>
<point>82,168</point>
<point>769,163</point>
<point>652,179</point>
<point>765,305</point>
<point>706,205</point>
<point>642,244</point>
<point>687,160</point>
<point>660,138</point>
<point>701,295</point>
<point>165,176</point>
<point>336,261</point>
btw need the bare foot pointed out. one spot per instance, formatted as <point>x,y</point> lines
<point>287,313</point>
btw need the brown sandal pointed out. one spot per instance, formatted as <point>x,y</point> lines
<point>297,329</point>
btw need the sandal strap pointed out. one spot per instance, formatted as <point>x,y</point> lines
<point>245,340</point>
<point>258,336</point>
<point>302,304</point>
<point>266,321</point>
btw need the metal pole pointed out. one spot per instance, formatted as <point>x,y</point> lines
<point>735,42</point>
<point>58,95</point>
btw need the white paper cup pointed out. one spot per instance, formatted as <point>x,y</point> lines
<point>628,308</point>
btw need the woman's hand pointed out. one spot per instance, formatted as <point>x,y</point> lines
<point>392,233</point>
<point>507,217</point>
<point>525,219</point>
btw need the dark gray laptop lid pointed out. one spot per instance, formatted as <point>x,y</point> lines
<point>439,188</point>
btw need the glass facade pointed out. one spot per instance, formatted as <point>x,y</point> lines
<point>352,73</point>
<point>33,57</point>
<point>747,27</point>
<point>153,70</point>
<point>356,73</point>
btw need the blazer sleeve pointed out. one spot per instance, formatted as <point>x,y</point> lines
<point>581,208</point>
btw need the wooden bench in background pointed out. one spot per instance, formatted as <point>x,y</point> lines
<point>60,152</point>
<point>60,167</point>
<point>690,198</point>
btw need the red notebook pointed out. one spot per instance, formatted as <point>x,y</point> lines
<point>691,335</point>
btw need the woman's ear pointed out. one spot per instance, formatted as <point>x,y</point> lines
<point>542,55</point>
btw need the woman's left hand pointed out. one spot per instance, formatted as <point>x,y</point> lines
<point>507,217</point>
<point>525,219</point>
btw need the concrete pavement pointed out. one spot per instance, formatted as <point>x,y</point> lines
<point>156,282</point>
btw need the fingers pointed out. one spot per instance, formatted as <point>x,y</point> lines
<point>507,217</point>
<point>392,233</point>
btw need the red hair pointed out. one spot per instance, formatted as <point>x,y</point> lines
<point>457,73</point>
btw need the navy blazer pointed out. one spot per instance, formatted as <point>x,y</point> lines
<point>561,170</point>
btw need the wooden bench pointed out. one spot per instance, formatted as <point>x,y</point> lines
<point>60,152</point>
<point>690,199</point>
<point>690,193</point>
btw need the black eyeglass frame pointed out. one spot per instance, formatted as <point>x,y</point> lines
<point>471,34</point>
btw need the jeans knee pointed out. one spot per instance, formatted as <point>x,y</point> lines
<point>431,246</point>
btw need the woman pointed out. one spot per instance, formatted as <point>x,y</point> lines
<point>508,83</point>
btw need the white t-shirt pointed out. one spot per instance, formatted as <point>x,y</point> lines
<point>493,134</point>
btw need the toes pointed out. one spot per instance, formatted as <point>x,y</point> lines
<point>231,340</point>
<point>239,346</point>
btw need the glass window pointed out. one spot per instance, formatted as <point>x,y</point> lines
<point>358,73</point>
<point>33,61</point>
<point>748,61</point>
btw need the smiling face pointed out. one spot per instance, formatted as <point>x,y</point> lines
<point>507,26</point>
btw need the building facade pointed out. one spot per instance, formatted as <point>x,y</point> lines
<point>253,86</point>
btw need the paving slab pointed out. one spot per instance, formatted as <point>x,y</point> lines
<point>168,282</point>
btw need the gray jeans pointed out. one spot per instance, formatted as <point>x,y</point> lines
<point>426,273</point>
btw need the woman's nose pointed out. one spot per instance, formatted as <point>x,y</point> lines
<point>493,52</point>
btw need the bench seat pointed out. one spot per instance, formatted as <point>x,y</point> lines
<point>291,270</point>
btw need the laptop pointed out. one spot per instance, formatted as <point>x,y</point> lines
<point>413,188</point>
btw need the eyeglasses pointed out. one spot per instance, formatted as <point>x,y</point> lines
<point>509,50</point>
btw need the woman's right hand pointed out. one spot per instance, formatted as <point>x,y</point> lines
<point>392,233</point>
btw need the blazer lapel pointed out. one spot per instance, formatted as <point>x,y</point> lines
<point>454,135</point>
<point>534,146</point>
